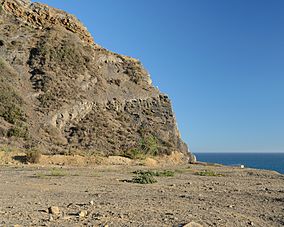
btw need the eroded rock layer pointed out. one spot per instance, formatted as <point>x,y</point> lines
<point>60,91</point>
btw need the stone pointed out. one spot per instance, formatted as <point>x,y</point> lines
<point>192,224</point>
<point>83,213</point>
<point>25,2</point>
<point>54,210</point>
<point>50,217</point>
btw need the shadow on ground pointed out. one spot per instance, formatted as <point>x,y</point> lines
<point>20,158</point>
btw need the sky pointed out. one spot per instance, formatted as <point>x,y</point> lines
<point>221,62</point>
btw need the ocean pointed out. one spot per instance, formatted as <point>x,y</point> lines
<point>270,161</point>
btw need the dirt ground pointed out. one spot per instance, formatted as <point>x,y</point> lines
<point>102,195</point>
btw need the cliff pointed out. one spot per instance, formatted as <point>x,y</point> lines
<point>61,92</point>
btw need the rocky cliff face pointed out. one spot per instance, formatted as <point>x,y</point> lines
<point>60,91</point>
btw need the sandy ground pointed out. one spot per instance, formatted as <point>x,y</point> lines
<point>99,195</point>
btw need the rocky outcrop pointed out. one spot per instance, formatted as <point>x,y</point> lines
<point>63,92</point>
<point>41,17</point>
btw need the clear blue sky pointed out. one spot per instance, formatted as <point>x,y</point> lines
<point>221,62</point>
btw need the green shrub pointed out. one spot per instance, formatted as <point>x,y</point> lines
<point>9,104</point>
<point>134,153</point>
<point>149,144</point>
<point>148,176</point>
<point>12,114</point>
<point>143,179</point>
<point>163,173</point>
<point>208,173</point>
<point>19,130</point>
<point>33,156</point>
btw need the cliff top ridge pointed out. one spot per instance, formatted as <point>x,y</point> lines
<point>42,16</point>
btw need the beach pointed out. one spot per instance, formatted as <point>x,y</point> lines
<point>105,195</point>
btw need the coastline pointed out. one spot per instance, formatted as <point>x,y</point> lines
<point>266,161</point>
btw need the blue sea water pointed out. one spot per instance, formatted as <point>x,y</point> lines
<point>270,161</point>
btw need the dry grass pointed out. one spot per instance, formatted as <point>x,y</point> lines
<point>33,156</point>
